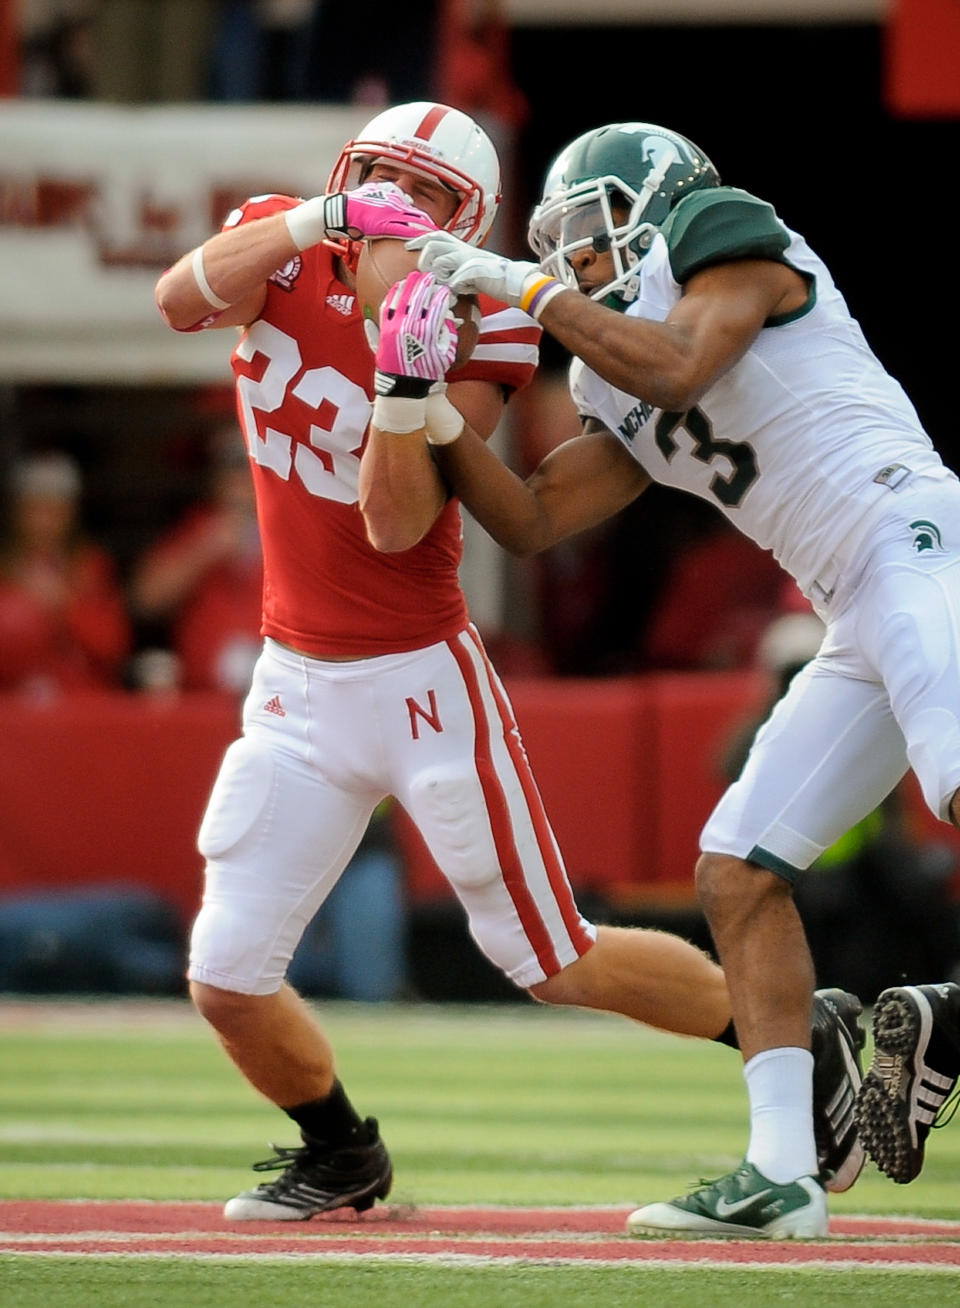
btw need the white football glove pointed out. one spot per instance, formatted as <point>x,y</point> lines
<point>469,271</point>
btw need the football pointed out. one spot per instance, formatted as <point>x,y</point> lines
<point>385,261</point>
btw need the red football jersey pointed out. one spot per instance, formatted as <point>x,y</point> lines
<point>304,376</point>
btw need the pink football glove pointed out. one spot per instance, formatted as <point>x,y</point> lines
<point>375,209</point>
<point>418,337</point>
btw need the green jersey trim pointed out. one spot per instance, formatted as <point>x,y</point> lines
<point>779,319</point>
<point>725,223</point>
<point>720,224</point>
<point>773,863</point>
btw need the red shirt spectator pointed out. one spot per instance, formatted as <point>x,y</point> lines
<point>206,577</point>
<point>63,620</point>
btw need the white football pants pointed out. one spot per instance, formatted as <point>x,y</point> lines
<point>882,695</point>
<point>323,743</point>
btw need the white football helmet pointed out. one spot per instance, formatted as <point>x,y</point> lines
<point>439,141</point>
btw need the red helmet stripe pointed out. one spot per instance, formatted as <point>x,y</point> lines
<point>431,122</point>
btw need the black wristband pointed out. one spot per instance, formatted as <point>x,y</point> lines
<point>399,387</point>
<point>335,214</point>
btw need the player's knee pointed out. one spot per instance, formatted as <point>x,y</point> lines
<point>727,885</point>
<point>577,984</point>
<point>225,1010</point>
<point>562,988</point>
<point>712,878</point>
<point>448,806</point>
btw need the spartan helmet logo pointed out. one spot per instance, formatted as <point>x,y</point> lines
<point>926,537</point>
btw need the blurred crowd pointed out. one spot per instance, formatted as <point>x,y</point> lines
<point>665,586</point>
<point>185,614</point>
<point>151,51</point>
<point>281,51</point>
<point>660,589</point>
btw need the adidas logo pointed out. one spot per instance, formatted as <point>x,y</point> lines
<point>412,349</point>
<point>931,1094</point>
<point>342,303</point>
<point>274,706</point>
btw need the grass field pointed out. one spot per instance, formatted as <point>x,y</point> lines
<point>507,1105</point>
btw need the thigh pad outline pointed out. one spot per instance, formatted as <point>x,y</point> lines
<point>240,796</point>
<point>448,806</point>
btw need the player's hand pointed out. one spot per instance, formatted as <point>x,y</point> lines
<point>469,271</point>
<point>417,345</point>
<point>418,336</point>
<point>374,209</point>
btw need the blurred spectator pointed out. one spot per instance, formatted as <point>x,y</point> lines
<point>474,70</point>
<point>63,622</point>
<point>475,74</point>
<point>789,641</point>
<point>151,51</point>
<point>260,50</point>
<point>371,57</point>
<point>56,49</point>
<point>201,585</point>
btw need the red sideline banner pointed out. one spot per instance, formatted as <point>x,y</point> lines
<point>96,200</point>
<point>923,58</point>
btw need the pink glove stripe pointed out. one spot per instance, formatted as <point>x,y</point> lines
<point>418,332</point>
<point>382,209</point>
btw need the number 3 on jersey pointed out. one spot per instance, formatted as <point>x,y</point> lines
<point>728,490</point>
<point>329,466</point>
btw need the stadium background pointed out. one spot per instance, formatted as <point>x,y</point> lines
<point>815,106</point>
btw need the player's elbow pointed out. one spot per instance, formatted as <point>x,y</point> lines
<point>522,546</point>
<point>390,541</point>
<point>673,387</point>
<point>674,395</point>
<point>177,322</point>
<point>389,533</point>
<point>178,311</point>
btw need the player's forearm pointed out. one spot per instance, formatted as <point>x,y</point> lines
<point>495,496</point>
<point>400,490</point>
<point>234,266</point>
<point>651,360</point>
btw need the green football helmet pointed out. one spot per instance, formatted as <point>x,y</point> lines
<point>612,189</point>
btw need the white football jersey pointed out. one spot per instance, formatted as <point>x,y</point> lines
<point>799,442</point>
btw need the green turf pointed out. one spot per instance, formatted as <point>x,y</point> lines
<point>510,1104</point>
<point>501,1104</point>
<point>140,1283</point>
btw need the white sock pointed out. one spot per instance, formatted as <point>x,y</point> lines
<point>780,1088</point>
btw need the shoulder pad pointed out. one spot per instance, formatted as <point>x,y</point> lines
<point>258,206</point>
<point>716,225</point>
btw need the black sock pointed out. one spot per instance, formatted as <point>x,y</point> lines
<point>332,1122</point>
<point>728,1036</point>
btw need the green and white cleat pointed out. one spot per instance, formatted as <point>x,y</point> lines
<point>743,1203</point>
